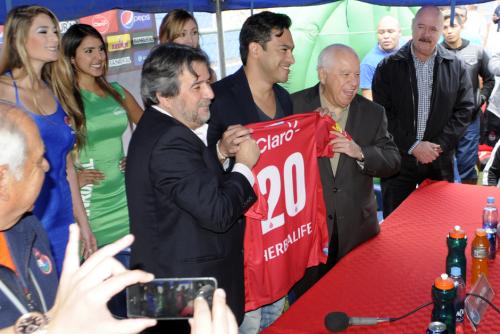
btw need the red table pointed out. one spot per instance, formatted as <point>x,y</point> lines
<point>392,274</point>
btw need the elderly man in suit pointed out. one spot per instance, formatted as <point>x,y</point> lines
<point>184,212</point>
<point>347,178</point>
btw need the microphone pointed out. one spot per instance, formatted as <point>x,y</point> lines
<point>339,321</point>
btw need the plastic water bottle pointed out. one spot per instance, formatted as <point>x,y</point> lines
<point>456,275</point>
<point>456,241</point>
<point>443,296</point>
<point>490,222</point>
<point>479,252</point>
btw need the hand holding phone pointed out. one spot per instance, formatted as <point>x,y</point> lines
<point>218,321</point>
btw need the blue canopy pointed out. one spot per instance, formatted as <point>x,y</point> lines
<point>71,9</point>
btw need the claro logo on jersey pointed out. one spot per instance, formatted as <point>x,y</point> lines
<point>118,42</point>
<point>129,20</point>
<point>270,142</point>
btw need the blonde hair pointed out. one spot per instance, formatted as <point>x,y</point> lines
<point>172,24</point>
<point>57,74</point>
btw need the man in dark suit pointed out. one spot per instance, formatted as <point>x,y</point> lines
<point>252,95</point>
<point>347,178</point>
<point>184,211</point>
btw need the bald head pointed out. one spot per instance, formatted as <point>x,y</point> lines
<point>388,33</point>
<point>426,31</point>
<point>338,72</point>
<point>430,12</point>
<point>329,54</point>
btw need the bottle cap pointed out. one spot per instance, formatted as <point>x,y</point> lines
<point>455,271</point>
<point>457,233</point>
<point>490,200</point>
<point>443,282</point>
<point>480,232</point>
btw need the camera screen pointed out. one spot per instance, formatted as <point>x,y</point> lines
<point>168,298</point>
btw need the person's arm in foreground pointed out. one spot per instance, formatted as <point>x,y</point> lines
<point>80,306</point>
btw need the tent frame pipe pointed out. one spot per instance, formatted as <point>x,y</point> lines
<point>220,38</point>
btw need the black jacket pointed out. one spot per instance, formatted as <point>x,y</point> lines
<point>233,104</point>
<point>349,194</point>
<point>476,64</point>
<point>184,213</point>
<point>452,101</point>
<point>494,171</point>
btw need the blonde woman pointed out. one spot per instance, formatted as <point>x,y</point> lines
<point>37,78</point>
<point>180,27</point>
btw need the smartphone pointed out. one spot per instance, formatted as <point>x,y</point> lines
<point>168,298</point>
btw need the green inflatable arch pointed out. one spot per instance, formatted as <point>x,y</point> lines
<point>349,22</point>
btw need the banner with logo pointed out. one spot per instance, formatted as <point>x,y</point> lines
<point>128,35</point>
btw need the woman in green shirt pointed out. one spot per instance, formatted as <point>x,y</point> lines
<point>108,109</point>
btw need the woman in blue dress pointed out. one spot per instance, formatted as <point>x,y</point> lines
<point>38,79</point>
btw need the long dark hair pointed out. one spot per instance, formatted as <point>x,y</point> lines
<point>70,42</point>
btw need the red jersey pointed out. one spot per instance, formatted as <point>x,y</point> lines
<point>286,229</point>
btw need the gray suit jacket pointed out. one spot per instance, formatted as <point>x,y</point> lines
<point>349,194</point>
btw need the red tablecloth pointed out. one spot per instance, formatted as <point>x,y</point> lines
<point>392,274</point>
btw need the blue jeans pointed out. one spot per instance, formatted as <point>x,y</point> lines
<point>467,152</point>
<point>118,304</point>
<point>261,318</point>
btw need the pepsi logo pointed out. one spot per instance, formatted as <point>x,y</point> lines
<point>130,20</point>
<point>127,19</point>
<point>101,23</point>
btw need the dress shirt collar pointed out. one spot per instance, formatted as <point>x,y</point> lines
<point>201,132</point>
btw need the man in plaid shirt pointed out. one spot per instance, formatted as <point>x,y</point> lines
<point>428,99</point>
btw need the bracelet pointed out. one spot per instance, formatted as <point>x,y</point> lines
<point>220,155</point>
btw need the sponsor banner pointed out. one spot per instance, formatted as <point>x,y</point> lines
<point>64,25</point>
<point>133,20</point>
<point>139,57</point>
<point>120,62</point>
<point>105,23</point>
<point>118,42</point>
<point>142,38</point>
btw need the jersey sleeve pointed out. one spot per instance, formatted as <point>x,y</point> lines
<point>323,126</point>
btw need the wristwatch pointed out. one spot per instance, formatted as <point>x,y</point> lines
<point>31,323</point>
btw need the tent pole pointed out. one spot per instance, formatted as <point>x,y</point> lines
<point>220,38</point>
<point>452,12</point>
